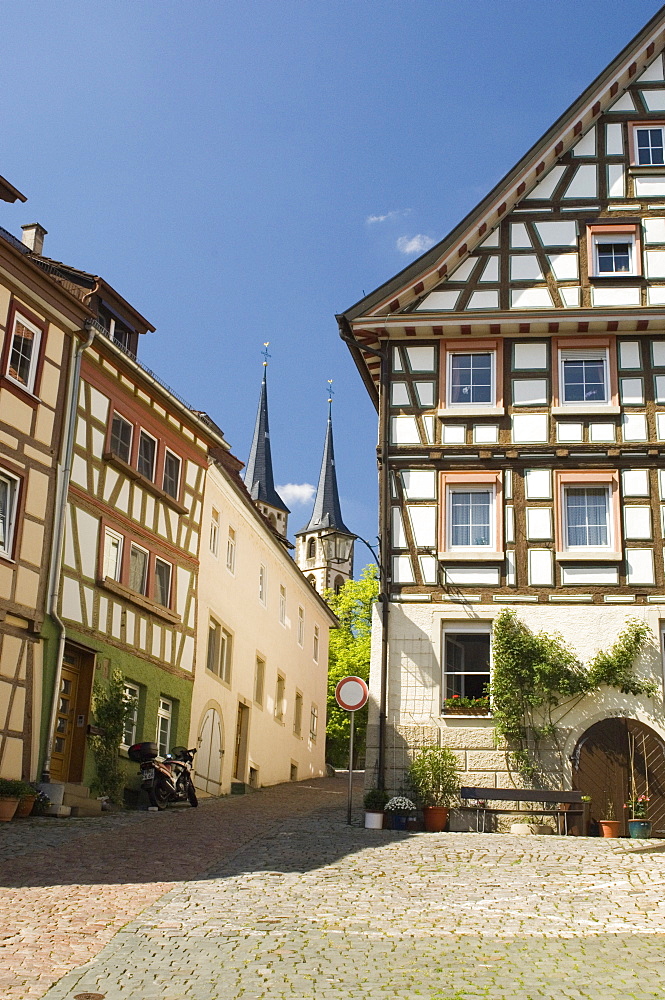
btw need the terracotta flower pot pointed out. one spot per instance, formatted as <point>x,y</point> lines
<point>25,806</point>
<point>609,827</point>
<point>8,807</point>
<point>435,818</point>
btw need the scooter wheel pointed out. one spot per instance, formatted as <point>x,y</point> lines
<point>159,795</point>
<point>191,795</point>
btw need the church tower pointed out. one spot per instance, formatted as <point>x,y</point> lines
<point>324,548</point>
<point>258,474</point>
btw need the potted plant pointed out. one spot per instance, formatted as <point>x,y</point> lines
<point>639,826</point>
<point>457,705</point>
<point>400,808</point>
<point>434,777</point>
<point>27,797</point>
<point>10,793</point>
<point>374,802</point>
<point>610,826</point>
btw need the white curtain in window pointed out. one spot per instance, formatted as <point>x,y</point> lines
<point>470,517</point>
<point>586,516</point>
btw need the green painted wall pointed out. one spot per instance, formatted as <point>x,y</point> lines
<point>152,681</point>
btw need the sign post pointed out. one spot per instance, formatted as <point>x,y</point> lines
<point>351,694</point>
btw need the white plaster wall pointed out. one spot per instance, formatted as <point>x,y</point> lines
<point>233,600</point>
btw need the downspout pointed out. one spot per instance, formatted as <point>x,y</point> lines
<point>60,513</point>
<point>346,334</point>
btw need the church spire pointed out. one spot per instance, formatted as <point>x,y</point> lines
<point>258,474</point>
<point>327,511</point>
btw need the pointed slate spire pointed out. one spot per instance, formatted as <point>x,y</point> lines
<point>258,475</point>
<point>327,512</point>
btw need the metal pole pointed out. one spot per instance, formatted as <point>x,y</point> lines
<point>350,797</point>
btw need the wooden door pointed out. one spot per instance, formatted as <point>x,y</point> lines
<point>240,755</point>
<point>65,721</point>
<point>208,772</point>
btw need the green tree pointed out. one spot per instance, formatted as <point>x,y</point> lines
<point>111,709</point>
<point>349,655</point>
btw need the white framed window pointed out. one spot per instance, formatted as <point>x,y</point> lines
<point>282,605</point>
<point>231,551</point>
<point>315,650</point>
<point>131,693</point>
<point>648,145</point>
<point>171,478</point>
<point>586,517</point>
<point>301,626</point>
<point>218,657</point>
<point>121,437</point>
<point>147,454</point>
<point>313,723</point>
<point>163,577</point>
<point>614,250</point>
<point>297,715</point>
<point>9,488</point>
<point>164,718</point>
<point>584,377</point>
<point>138,569</point>
<point>259,680</point>
<point>214,532</point>
<point>113,544</point>
<point>279,698</point>
<point>263,584</point>
<point>471,519</point>
<point>24,352</point>
<point>471,378</point>
<point>466,658</point>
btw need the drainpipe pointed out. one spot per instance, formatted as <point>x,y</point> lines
<point>64,476</point>
<point>346,334</point>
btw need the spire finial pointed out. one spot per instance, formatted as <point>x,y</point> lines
<point>331,393</point>
<point>266,353</point>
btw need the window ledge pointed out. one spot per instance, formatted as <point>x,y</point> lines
<point>471,556</point>
<point>147,484</point>
<point>641,169</point>
<point>590,555</point>
<point>471,411</point>
<point>593,409</point>
<point>143,602</point>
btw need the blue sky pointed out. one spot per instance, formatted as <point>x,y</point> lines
<point>243,170</point>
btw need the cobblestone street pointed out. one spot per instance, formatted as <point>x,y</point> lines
<point>296,904</point>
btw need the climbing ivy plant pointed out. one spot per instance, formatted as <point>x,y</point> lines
<point>537,679</point>
<point>111,709</point>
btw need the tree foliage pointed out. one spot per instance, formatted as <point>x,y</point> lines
<point>537,678</point>
<point>111,709</point>
<point>349,654</point>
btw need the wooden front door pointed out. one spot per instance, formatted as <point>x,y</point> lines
<point>240,756</point>
<point>65,721</point>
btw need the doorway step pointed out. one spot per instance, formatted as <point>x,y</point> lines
<point>77,797</point>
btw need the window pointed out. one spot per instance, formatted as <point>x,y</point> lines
<point>8,507</point>
<point>282,605</point>
<point>164,715</point>
<point>218,660</point>
<point>231,551</point>
<point>613,250</point>
<point>313,723</point>
<point>584,376</point>
<point>214,532</point>
<point>339,583</point>
<point>646,143</point>
<point>24,352</point>
<point>316,644</point>
<point>112,554</point>
<point>586,512</point>
<point>311,548</point>
<point>301,626</point>
<point>171,480</point>
<point>297,715</point>
<point>138,569</point>
<point>121,437</point>
<point>163,572</point>
<point>131,693</point>
<point>279,698</point>
<point>466,659</point>
<point>263,580</point>
<point>147,454</point>
<point>470,517</point>
<point>471,378</point>
<point>259,680</point>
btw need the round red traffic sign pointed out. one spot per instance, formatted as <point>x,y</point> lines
<point>351,693</point>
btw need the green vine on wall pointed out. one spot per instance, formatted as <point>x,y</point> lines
<point>537,679</point>
<point>111,709</point>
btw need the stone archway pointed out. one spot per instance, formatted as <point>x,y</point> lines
<point>601,764</point>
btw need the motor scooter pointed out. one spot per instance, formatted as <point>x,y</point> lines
<point>167,780</point>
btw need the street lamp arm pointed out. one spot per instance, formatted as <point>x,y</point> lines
<point>374,555</point>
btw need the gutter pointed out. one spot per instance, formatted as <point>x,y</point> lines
<point>64,476</point>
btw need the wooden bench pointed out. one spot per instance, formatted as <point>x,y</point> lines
<point>562,805</point>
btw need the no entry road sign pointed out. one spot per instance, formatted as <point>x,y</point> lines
<point>351,693</point>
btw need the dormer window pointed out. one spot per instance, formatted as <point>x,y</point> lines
<point>614,251</point>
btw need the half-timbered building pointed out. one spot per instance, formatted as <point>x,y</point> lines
<point>519,372</point>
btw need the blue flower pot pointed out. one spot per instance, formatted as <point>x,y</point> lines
<point>639,829</point>
<point>399,822</point>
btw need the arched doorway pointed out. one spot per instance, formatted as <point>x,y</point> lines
<point>602,767</point>
<point>208,760</point>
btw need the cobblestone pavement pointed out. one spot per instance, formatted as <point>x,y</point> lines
<point>315,909</point>
<point>67,886</point>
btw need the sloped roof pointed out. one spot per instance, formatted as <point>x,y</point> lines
<point>327,511</point>
<point>258,474</point>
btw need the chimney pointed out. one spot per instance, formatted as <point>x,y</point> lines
<point>33,237</point>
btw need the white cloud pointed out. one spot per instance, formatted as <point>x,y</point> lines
<point>296,492</point>
<point>414,244</point>
<point>396,214</point>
